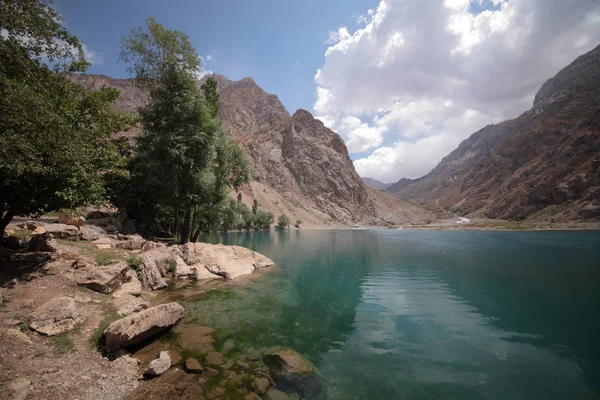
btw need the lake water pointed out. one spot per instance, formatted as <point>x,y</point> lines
<point>424,315</point>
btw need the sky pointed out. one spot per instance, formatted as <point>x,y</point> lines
<point>402,81</point>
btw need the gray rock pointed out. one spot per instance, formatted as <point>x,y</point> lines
<point>132,285</point>
<point>149,274</point>
<point>160,365</point>
<point>92,232</point>
<point>102,279</point>
<point>293,370</point>
<point>141,326</point>
<point>62,231</point>
<point>56,316</point>
<point>127,304</point>
<point>43,242</point>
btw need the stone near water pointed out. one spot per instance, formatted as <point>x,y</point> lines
<point>252,396</point>
<point>211,372</point>
<point>292,369</point>
<point>160,365</point>
<point>131,286</point>
<point>56,316</point>
<point>127,304</point>
<point>141,326</point>
<point>261,385</point>
<point>275,394</point>
<point>228,345</point>
<point>149,273</point>
<point>192,365</point>
<point>213,358</point>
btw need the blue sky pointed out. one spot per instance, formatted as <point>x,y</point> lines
<point>280,44</point>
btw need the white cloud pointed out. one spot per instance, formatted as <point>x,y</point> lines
<point>421,76</point>
<point>208,57</point>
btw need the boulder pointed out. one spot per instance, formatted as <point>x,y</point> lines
<point>127,304</point>
<point>275,394</point>
<point>31,225</point>
<point>292,369</point>
<point>229,262</point>
<point>92,232</point>
<point>213,358</point>
<point>163,260</point>
<point>149,273</point>
<point>261,385</point>
<point>141,326</point>
<point>160,365</point>
<point>83,262</point>
<point>132,285</point>
<point>62,231</point>
<point>43,242</point>
<point>56,316</point>
<point>193,366</point>
<point>102,279</point>
<point>68,219</point>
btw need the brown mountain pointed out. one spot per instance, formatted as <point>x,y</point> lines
<point>544,164</point>
<point>300,167</point>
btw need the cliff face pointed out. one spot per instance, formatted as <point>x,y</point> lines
<point>300,167</point>
<point>543,164</point>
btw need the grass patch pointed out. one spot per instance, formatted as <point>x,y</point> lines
<point>133,261</point>
<point>98,336</point>
<point>103,259</point>
<point>63,344</point>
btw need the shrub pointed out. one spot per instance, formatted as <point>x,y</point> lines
<point>297,224</point>
<point>283,221</point>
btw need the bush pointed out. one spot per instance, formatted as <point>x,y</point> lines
<point>264,220</point>
<point>283,221</point>
<point>297,224</point>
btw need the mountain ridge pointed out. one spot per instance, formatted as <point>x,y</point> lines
<point>542,164</point>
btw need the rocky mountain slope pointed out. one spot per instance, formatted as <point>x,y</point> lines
<point>545,164</point>
<point>300,167</point>
<point>375,184</point>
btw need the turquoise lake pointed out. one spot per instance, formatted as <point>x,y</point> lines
<point>424,315</point>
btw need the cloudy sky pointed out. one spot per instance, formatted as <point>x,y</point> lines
<point>402,81</point>
<point>421,76</point>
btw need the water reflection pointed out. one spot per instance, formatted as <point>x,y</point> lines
<point>388,315</point>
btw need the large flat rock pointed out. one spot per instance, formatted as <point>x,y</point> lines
<point>102,279</point>
<point>141,326</point>
<point>228,262</point>
<point>56,316</point>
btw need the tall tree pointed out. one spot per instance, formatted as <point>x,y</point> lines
<point>184,163</point>
<point>55,137</point>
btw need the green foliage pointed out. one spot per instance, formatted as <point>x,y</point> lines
<point>63,344</point>
<point>133,261</point>
<point>55,137</point>
<point>264,220</point>
<point>179,179</point>
<point>103,259</point>
<point>239,197</point>
<point>255,207</point>
<point>97,337</point>
<point>283,221</point>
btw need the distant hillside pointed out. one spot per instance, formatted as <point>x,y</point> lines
<point>374,183</point>
<point>545,164</point>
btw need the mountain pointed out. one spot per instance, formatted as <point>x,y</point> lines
<point>545,164</point>
<point>300,167</point>
<point>375,184</point>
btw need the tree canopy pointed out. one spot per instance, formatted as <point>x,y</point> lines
<point>55,137</point>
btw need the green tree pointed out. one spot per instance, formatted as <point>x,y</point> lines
<point>283,221</point>
<point>255,207</point>
<point>55,137</point>
<point>184,163</point>
<point>264,220</point>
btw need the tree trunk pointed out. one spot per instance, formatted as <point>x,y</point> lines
<point>6,218</point>
<point>194,238</point>
<point>185,228</point>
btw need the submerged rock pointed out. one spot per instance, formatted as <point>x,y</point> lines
<point>193,366</point>
<point>291,368</point>
<point>213,358</point>
<point>160,365</point>
<point>56,316</point>
<point>141,326</point>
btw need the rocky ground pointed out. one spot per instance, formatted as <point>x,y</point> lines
<point>84,317</point>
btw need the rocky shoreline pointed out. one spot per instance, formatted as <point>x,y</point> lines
<point>84,318</point>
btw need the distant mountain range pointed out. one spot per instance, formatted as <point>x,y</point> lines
<point>543,165</point>
<point>300,167</point>
<point>375,184</point>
